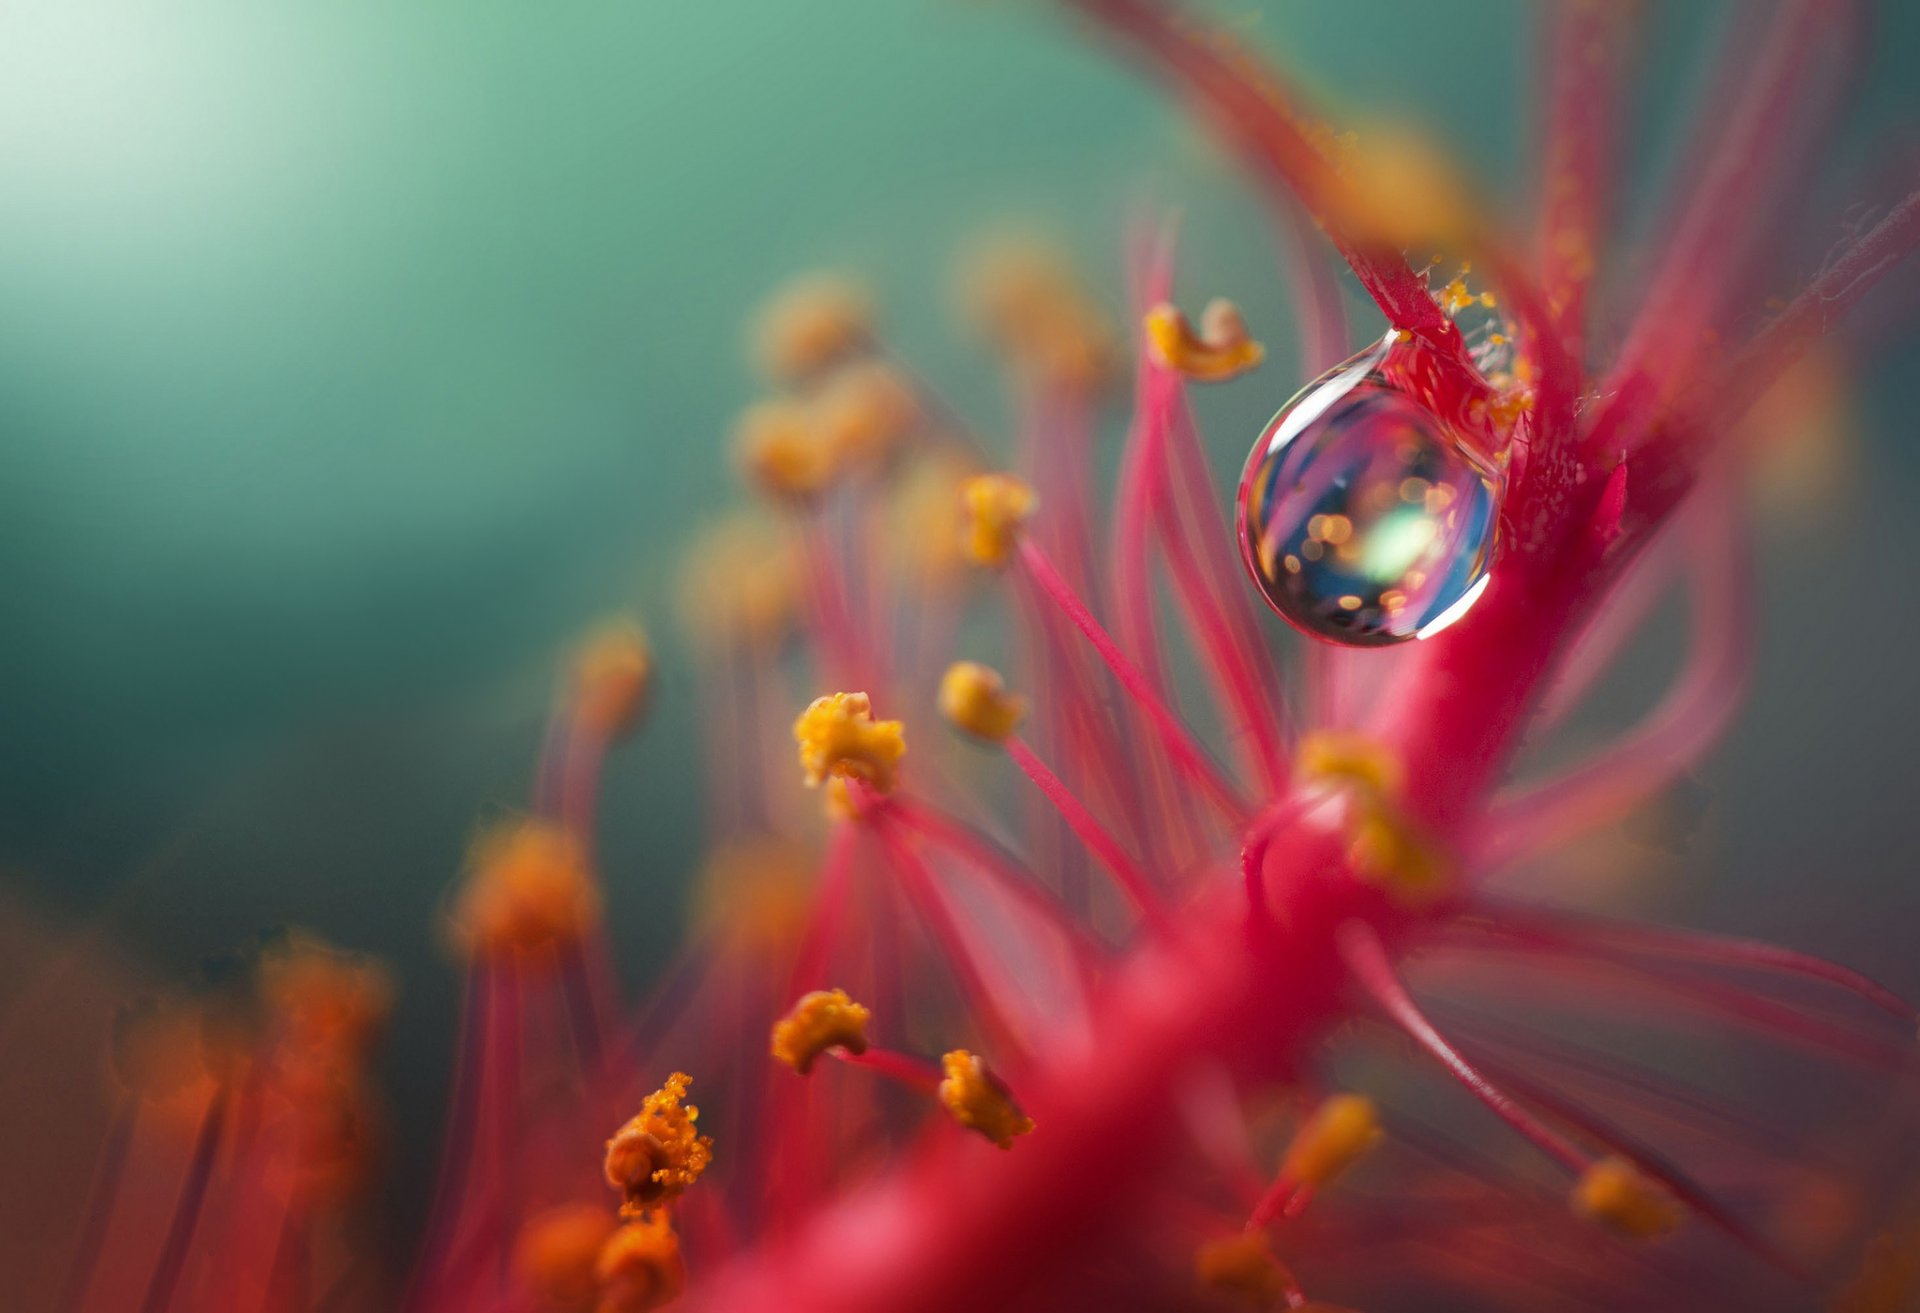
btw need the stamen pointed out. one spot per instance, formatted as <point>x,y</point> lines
<point>822,1020</point>
<point>978,1100</point>
<point>658,1154</point>
<point>838,736</point>
<point>1174,736</point>
<point>974,699</point>
<point>1242,1267</point>
<point>640,1268</point>
<point>1221,350</point>
<point>1342,1130</point>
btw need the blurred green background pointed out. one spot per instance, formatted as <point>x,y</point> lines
<point>354,356</point>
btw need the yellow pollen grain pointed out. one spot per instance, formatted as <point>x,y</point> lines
<point>824,1019</point>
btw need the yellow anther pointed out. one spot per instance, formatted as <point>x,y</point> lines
<point>809,324</point>
<point>755,893</point>
<point>778,448</point>
<point>640,1268</point>
<point>838,736</point>
<point>326,1004</point>
<point>864,411</point>
<point>1242,1267</point>
<point>1391,852</point>
<point>927,521</point>
<point>978,1101</point>
<point>1222,349</point>
<point>1397,187</point>
<point>656,1156</point>
<point>528,886</point>
<point>739,584</point>
<point>557,1256</point>
<point>825,1019</point>
<point>974,698</point>
<point>1024,297</point>
<point>1614,1193</point>
<point>997,507</point>
<point>1341,1131</point>
<point>612,677</point>
<point>1346,758</point>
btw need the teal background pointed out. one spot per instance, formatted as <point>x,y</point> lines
<point>354,356</point>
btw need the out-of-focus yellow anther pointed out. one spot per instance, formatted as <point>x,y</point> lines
<point>739,584</point>
<point>839,737</point>
<point>1220,350</point>
<point>754,893</point>
<point>974,698</point>
<point>809,324</point>
<point>640,1267</point>
<point>1347,758</point>
<point>324,1001</point>
<point>978,1101</point>
<point>1023,296</point>
<point>825,1019</point>
<point>528,886</point>
<point>611,678</point>
<point>1395,186</point>
<point>1391,852</point>
<point>1341,1131</point>
<point>997,508</point>
<point>781,452</point>
<point>863,412</point>
<point>1242,1268</point>
<point>927,521</point>
<point>1614,1193</point>
<point>656,1156</point>
<point>557,1255</point>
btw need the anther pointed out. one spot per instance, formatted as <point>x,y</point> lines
<point>974,699</point>
<point>824,1019</point>
<point>658,1154</point>
<point>1220,350</point>
<point>839,737</point>
<point>997,508</point>
<point>978,1101</point>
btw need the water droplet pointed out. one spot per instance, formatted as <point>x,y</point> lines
<point>1370,507</point>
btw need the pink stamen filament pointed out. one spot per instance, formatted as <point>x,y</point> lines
<point>186,1211</point>
<point>917,1074</point>
<point>100,1201</point>
<point>1367,962</point>
<point>1133,882</point>
<point>1174,736</point>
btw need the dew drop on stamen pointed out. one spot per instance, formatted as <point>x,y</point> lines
<point>1369,516</point>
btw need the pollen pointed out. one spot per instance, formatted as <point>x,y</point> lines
<point>825,1019</point>
<point>1614,1193</point>
<point>640,1267</point>
<point>1220,350</point>
<point>1342,1130</point>
<point>656,1156</point>
<point>325,1001</point>
<point>528,886</point>
<point>974,699</point>
<point>863,412</point>
<point>978,1101</point>
<point>997,508</point>
<point>839,737</point>
<point>1242,1267</point>
<point>557,1255</point>
<point>1343,757</point>
<point>780,451</point>
<point>611,678</point>
<point>810,324</point>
